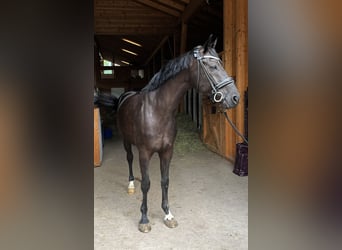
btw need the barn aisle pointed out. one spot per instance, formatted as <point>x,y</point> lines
<point>209,202</point>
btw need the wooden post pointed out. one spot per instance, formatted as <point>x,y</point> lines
<point>97,66</point>
<point>162,56</point>
<point>184,32</point>
<point>217,132</point>
<point>98,153</point>
<point>228,36</point>
<point>229,138</point>
<point>174,46</point>
<point>241,10</point>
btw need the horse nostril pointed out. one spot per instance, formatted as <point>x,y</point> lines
<point>235,99</point>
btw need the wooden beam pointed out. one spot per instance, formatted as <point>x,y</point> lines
<point>241,10</point>
<point>184,33</point>
<point>115,3</point>
<point>229,142</point>
<point>190,10</point>
<point>103,22</point>
<point>173,4</point>
<point>137,30</point>
<point>97,62</point>
<point>228,36</point>
<point>124,14</point>
<point>159,7</point>
<point>156,49</point>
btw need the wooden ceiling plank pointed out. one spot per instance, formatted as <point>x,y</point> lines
<point>119,22</point>
<point>133,31</point>
<point>185,1</point>
<point>141,25</point>
<point>115,3</point>
<point>151,19</point>
<point>173,4</point>
<point>159,7</point>
<point>131,13</point>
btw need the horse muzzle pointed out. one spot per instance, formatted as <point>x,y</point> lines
<point>230,100</point>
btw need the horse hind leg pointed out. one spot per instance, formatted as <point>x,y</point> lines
<point>128,148</point>
<point>165,158</point>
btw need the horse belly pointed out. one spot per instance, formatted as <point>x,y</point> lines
<point>158,141</point>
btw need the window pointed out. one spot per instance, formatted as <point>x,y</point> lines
<point>107,73</point>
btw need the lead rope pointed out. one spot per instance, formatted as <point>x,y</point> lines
<point>234,127</point>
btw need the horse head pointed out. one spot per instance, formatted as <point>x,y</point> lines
<point>210,77</point>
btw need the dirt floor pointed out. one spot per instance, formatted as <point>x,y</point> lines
<point>209,202</point>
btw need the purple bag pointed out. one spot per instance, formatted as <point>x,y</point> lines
<point>241,160</point>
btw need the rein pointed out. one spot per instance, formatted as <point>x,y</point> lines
<point>235,128</point>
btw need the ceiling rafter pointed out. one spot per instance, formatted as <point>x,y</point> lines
<point>191,9</point>
<point>172,4</point>
<point>126,23</point>
<point>159,7</point>
<point>141,30</point>
<point>150,21</point>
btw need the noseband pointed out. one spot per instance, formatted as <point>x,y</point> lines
<point>215,86</point>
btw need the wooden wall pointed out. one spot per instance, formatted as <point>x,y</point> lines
<point>217,133</point>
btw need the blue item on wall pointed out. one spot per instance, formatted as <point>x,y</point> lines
<point>107,133</point>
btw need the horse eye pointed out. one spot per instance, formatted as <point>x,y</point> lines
<point>213,67</point>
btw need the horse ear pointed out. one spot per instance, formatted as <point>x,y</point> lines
<point>206,45</point>
<point>210,43</point>
<point>213,44</point>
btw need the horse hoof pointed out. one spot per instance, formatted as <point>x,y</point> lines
<point>131,190</point>
<point>171,223</point>
<point>145,228</point>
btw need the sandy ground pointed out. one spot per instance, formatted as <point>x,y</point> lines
<point>209,202</point>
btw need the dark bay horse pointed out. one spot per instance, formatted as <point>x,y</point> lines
<point>147,119</point>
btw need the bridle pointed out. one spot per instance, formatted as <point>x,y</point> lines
<point>215,85</point>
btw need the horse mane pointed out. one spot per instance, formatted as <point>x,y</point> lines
<point>168,71</point>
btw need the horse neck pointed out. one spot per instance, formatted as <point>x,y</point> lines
<point>171,93</point>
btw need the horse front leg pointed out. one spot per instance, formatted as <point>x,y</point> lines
<point>144,158</point>
<point>165,158</point>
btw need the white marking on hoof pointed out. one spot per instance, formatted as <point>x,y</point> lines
<point>131,188</point>
<point>170,221</point>
<point>169,216</point>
